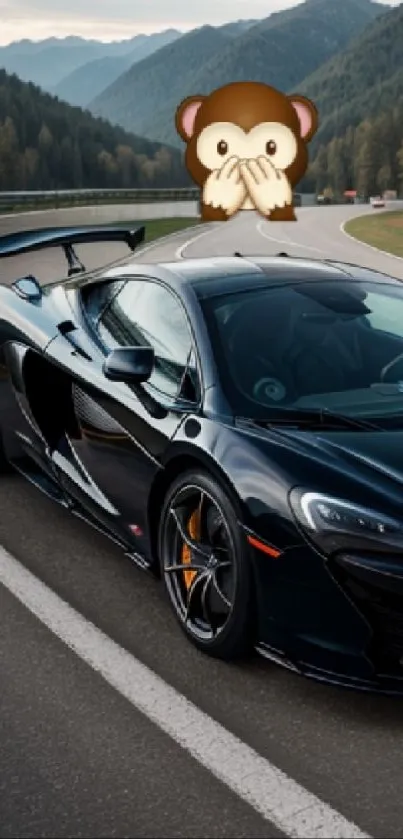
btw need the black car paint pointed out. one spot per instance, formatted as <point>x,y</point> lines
<point>306,617</point>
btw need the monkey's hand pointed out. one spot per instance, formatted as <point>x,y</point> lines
<point>225,189</point>
<point>268,187</point>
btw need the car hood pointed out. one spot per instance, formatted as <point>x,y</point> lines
<point>359,451</point>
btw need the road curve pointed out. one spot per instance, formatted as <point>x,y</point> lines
<point>317,234</point>
<point>77,758</point>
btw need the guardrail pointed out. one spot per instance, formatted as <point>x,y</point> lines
<point>73,197</point>
<point>53,199</point>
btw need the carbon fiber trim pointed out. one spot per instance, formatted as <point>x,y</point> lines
<point>91,414</point>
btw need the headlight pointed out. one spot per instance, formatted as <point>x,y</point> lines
<point>335,524</point>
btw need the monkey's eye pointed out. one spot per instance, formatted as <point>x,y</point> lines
<point>222,147</point>
<point>271,147</point>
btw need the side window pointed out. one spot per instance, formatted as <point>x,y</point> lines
<point>386,315</point>
<point>143,313</point>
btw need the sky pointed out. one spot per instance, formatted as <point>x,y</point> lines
<point>110,20</point>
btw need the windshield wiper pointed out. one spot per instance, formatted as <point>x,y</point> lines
<point>319,418</point>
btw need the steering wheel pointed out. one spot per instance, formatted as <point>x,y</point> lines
<point>388,367</point>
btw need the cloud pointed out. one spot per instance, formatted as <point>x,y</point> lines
<point>110,19</point>
<point>137,12</point>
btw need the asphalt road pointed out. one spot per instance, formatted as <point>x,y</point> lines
<point>81,757</point>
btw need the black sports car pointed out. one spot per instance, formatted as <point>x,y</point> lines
<point>236,425</point>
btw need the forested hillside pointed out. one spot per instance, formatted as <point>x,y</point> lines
<point>362,79</point>
<point>138,97</point>
<point>368,158</point>
<point>47,144</point>
<point>359,96</point>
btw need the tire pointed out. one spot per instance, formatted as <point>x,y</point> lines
<point>220,621</point>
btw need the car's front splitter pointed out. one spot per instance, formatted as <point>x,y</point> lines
<point>382,684</point>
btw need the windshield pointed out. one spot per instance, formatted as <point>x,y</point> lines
<point>328,345</point>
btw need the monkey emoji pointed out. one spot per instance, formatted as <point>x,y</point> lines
<point>246,147</point>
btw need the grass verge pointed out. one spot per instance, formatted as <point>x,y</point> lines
<point>157,227</point>
<point>382,230</point>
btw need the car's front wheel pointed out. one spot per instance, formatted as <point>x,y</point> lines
<point>205,565</point>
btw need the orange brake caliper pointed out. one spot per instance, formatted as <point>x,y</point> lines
<point>194,533</point>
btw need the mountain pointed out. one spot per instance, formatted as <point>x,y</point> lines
<point>158,81</point>
<point>287,46</point>
<point>362,80</point>
<point>48,65</point>
<point>281,50</point>
<point>359,95</point>
<point>151,43</point>
<point>48,62</point>
<point>47,144</point>
<point>28,47</point>
<point>236,28</point>
<point>88,81</point>
<point>91,78</point>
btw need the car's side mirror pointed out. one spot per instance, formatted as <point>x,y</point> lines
<point>131,365</point>
<point>28,288</point>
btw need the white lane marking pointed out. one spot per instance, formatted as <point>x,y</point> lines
<point>179,253</point>
<point>291,808</point>
<point>287,241</point>
<point>365,244</point>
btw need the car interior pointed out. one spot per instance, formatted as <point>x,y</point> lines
<point>307,347</point>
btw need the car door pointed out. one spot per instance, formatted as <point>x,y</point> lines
<point>122,435</point>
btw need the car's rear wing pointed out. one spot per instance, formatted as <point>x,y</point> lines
<point>26,241</point>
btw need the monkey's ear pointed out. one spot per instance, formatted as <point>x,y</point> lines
<point>307,115</point>
<point>186,114</point>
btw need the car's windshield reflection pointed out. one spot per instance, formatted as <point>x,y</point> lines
<point>331,345</point>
